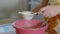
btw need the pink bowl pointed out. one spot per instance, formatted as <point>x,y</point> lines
<point>29,31</point>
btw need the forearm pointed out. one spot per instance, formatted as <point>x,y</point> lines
<point>37,8</point>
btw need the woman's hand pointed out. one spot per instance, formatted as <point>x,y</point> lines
<point>50,11</point>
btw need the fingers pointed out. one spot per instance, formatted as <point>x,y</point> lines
<point>49,11</point>
<point>43,9</point>
<point>46,12</point>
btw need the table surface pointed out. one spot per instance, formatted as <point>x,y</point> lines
<point>6,21</point>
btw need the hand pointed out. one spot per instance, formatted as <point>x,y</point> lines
<point>50,11</point>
